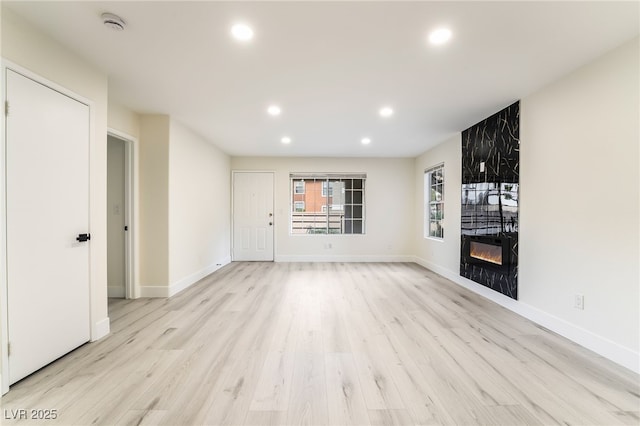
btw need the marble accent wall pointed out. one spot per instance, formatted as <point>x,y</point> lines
<point>490,193</point>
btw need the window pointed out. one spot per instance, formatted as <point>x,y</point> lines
<point>298,187</point>
<point>327,189</point>
<point>331,204</point>
<point>434,202</point>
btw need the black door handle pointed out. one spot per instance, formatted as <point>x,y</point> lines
<point>83,237</point>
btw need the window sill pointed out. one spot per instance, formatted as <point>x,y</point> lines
<point>327,235</point>
<point>439,240</point>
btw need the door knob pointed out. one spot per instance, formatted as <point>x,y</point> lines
<point>83,237</point>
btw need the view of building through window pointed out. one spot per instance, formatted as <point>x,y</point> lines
<point>327,204</point>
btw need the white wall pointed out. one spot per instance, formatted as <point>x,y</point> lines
<point>579,192</point>
<point>579,198</point>
<point>443,253</point>
<point>389,209</point>
<point>199,206</point>
<point>184,207</point>
<point>122,119</point>
<point>24,45</point>
<point>154,204</point>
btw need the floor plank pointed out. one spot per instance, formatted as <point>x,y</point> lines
<point>345,398</point>
<point>261,343</point>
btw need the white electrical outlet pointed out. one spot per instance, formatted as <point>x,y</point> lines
<point>482,167</point>
<point>578,301</point>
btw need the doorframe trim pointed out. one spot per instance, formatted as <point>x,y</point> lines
<point>233,177</point>
<point>132,287</point>
<point>4,327</point>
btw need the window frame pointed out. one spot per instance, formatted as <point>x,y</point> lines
<point>327,190</point>
<point>349,224</point>
<point>429,204</point>
<point>295,188</point>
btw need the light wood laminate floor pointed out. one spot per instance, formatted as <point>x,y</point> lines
<point>327,344</point>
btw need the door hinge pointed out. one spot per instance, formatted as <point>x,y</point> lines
<point>9,349</point>
<point>6,108</point>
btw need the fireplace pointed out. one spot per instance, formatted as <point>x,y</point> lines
<point>491,260</point>
<point>486,252</point>
<point>489,201</point>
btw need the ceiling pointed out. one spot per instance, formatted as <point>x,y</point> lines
<point>331,66</point>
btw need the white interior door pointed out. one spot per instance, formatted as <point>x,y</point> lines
<point>253,216</point>
<point>47,178</point>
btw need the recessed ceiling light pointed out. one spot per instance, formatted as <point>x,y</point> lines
<point>440,36</point>
<point>286,140</point>
<point>274,110</point>
<point>386,112</point>
<point>242,32</point>
<point>365,141</point>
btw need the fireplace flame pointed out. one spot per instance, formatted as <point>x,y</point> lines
<point>487,252</point>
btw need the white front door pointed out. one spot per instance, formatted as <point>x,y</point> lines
<point>253,216</point>
<point>47,202</point>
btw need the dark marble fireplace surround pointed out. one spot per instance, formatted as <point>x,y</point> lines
<point>490,192</point>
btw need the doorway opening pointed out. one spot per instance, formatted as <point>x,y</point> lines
<point>120,149</point>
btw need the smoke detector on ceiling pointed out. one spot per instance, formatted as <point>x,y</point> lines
<point>113,21</point>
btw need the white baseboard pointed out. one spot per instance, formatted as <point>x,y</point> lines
<point>178,286</point>
<point>602,346</point>
<point>344,258</point>
<point>154,291</point>
<point>100,329</point>
<point>191,279</point>
<point>117,292</point>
